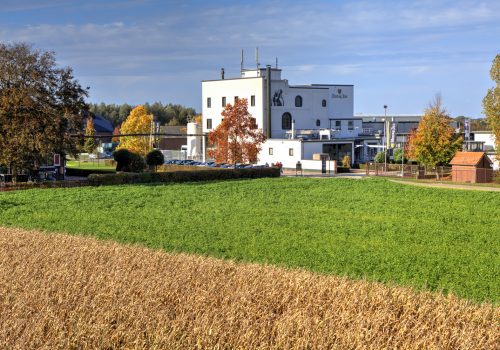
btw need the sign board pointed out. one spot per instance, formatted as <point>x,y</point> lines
<point>57,159</point>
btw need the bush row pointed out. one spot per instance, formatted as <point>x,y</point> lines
<point>87,172</point>
<point>181,176</point>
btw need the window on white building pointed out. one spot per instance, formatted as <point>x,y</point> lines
<point>236,98</point>
<point>350,125</point>
<point>290,152</point>
<point>270,151</point>
<point>323,103</point>
<point>209,123</point>
<point>338,125</point>
<point>286,121</point>
<point>209,102</point>
<point>318,122</point>
<point>252,100</point>
<point>298,101</point>
<point>224,101</point>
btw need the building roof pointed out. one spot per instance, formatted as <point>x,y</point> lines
<point>101,124</point>
<point>468,158</point>
<point>174,129</point>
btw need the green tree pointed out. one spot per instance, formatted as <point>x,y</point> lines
<point>398,155</point>
<point>434,142</point>
<point>491,103</point>
<point>90,142</point>
<point>41,107</point>
<point>379,157</point>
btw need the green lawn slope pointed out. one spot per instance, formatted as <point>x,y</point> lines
<point>435,239</point>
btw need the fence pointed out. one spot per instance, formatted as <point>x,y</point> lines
<point>408,170</point>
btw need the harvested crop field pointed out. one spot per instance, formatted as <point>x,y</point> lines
<point>59,291</point>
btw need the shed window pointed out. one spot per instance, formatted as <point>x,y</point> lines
<point>286,121</point>
<point>298,101</point>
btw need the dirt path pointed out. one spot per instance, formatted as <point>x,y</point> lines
<point>452,186</point>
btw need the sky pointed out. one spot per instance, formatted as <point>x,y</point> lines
<point>395,53</point>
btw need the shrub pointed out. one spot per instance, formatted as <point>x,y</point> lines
<point>379,157</point>
<point>346,162</point>
<point>398,155</point>
<point>123,158</point>
<point>182,176</point>
<point>87,172</point>
<point>155,158</point>
<point>128,161</point>
<point>342,169</point>
<point>137,164</point>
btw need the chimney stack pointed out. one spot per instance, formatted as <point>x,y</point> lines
<point>222,73</point>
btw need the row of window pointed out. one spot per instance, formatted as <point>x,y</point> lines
<point>224,101</point>
<point>286,121</point>
<point>290,151</point>
<point>298,101</point>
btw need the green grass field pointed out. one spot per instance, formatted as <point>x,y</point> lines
<point>436,239</point>
<point>97,164</point>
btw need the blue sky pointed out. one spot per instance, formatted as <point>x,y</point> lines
<point>399,53</point>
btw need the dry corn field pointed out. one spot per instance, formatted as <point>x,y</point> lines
<point>65,292</point>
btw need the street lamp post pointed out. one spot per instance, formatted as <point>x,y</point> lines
<point>385,139</point>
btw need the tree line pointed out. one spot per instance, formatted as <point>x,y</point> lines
<point>166,114</point>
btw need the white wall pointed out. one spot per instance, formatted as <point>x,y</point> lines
<point>281,149</point>
<point>229,88</point>
<point>487,138</point>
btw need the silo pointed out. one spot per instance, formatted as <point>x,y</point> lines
<point>194,140</point>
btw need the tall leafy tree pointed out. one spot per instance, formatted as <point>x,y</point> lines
<point>116,131</point>
<point>90,142</point>
<point>237,139</point>
<point>434,142</point>
<point>491,103</point>
<point>138,122</point>
<point>41,107</point>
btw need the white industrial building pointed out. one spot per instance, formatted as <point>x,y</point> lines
<point>303,120</point>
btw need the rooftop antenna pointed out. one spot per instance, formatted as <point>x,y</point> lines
<point>241,61</point>
<point>276,62</point>
<point>257,57</point>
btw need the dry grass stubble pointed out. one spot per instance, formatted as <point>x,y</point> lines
<point>60,291</point>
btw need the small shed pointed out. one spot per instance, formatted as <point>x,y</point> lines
<point>471,167</point>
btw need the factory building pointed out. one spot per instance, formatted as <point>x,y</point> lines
<point>301,121</point>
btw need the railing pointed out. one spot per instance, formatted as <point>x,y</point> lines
<point>407,170</point>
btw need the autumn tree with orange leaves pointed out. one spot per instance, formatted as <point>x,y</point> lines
<point>237,139</point>
<point>434,142</point>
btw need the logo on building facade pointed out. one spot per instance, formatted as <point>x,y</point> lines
<point>278,98</point>
<point>339,94</point>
